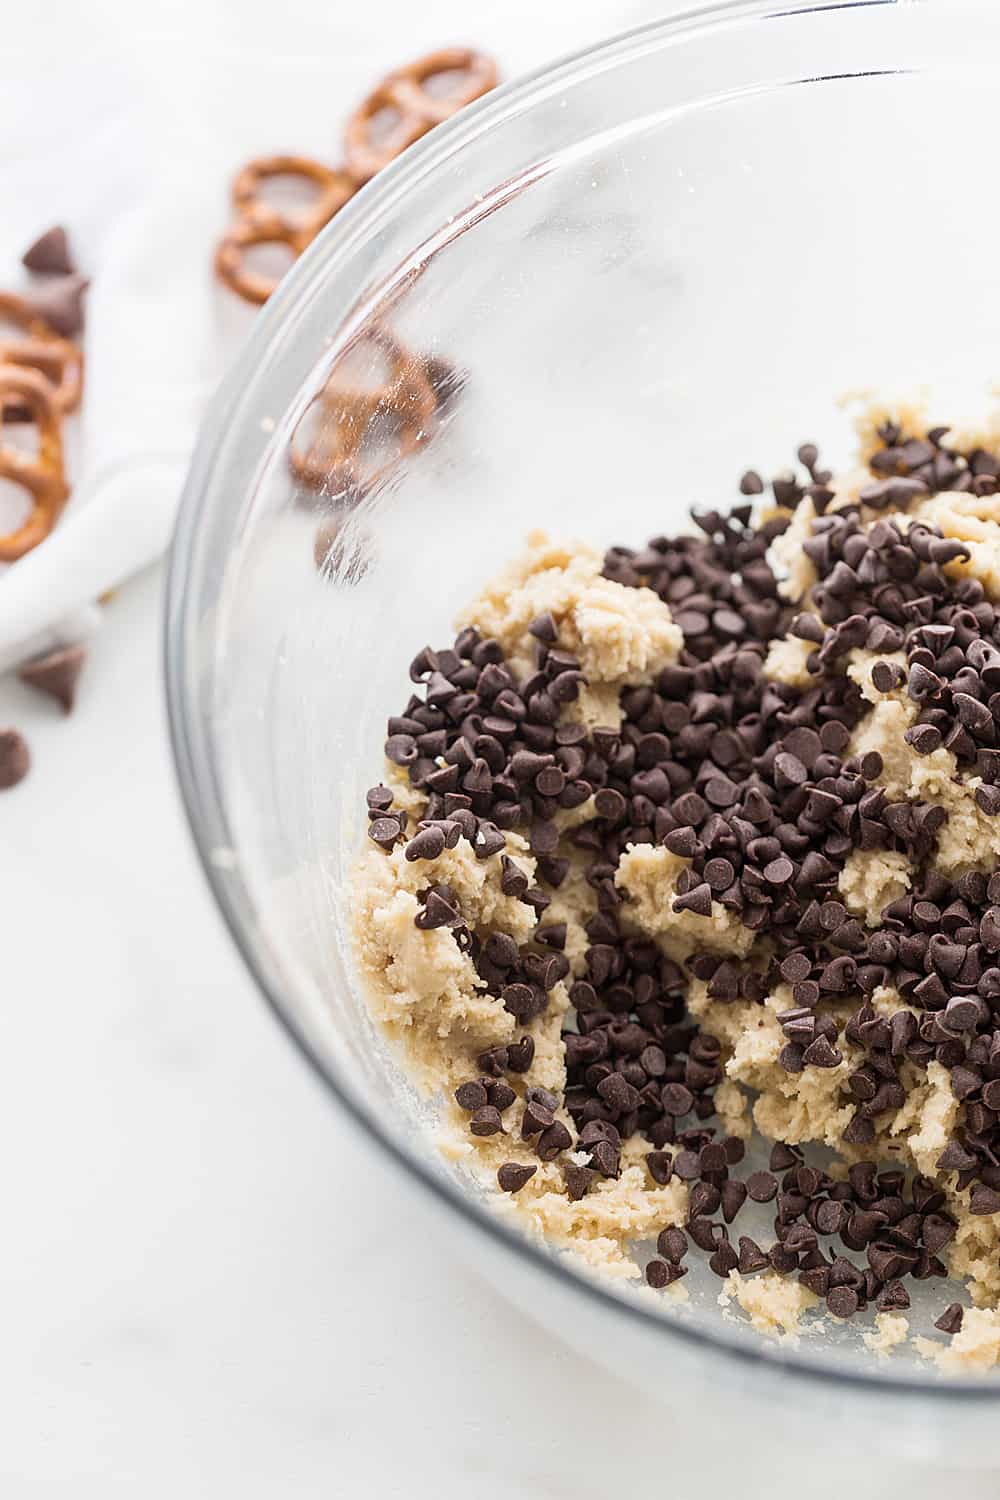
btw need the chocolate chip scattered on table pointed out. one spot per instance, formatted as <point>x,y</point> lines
<point>41,383</point>
<point>710,828</point>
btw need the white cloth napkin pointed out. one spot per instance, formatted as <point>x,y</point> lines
<point>125,122</point>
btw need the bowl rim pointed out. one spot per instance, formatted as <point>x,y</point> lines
<point>191,738</point>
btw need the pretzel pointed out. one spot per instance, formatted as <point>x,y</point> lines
<point>58,359</point>
<point>41,473</point>
<point>258,224</point>
<point>404,93</point>
<point>405,403</point>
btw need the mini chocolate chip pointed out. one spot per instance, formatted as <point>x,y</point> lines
<point>486,1121</point>
<point>553,1140</point>
<point>56,673</point>
<point>712,1157</point>
<point>15,758</point>
<point>520,1055</point>
<point>733,1196</point>
<point>660,1166</point>
<point>382,831</point>
<point>893,1296</point>
<point>500,1094</point>
<point>605,1156</point>
<point>50,253</point>
<point>842,1301</point>
<point>983,1200</point>
<point>960,1014</point>
<point>830,1217</point>
<point>426,843</point>
<point>751,1257</point>
<point>672,1244</point>
<point>687,1166</point>
<point>658,1273</point>
<point>762,1187</point>
<point>782,1260</point>
<point>955,1158</point>
<point>735,1150</point>
<point>543,628</point>
<point>60,304</point>
<point>950,1320</point>
<point>988,797</point>
<point>676,1099</point>
<point>513,881</point>
<point>703,1200</point>
<point>724,1259</point>
<point>512,1176</point>
<point>471,1096</point>
<point>820,1054</point>
<point>579,1180</point>
<point>887,676</point>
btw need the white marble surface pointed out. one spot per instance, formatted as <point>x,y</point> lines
<point>186,1308</point>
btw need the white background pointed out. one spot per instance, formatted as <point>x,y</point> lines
<point>207,1286</point>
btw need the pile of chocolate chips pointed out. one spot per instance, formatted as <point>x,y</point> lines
<point>746,779</point>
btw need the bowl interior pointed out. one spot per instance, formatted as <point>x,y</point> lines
<point>633,277</point>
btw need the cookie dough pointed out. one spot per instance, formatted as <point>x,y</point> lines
<point>681,844</point>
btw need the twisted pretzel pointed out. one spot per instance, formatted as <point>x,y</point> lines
<point>402,407</point>
<point>405,94</point>
<point>42,473</point>
<point>58,359</point>
<point>258,224</point>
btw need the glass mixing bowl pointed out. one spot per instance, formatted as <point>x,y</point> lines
<point>623,280</point>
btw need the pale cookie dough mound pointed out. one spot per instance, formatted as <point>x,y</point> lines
<point>786,661</point>
<point>649,875</point>
<point>872,878</point>
<point>569,904</point>
<point>405,796</point>
<point>795,573</point>
<point>774,1304</point>
<point>614,1214</point>
<point>619,635</point>
<point>975,1348</point>
<point>974,519</point>
<point>419,981</point>
<point>969,839</point>
<point>890,1331</point>
<point>928,1119</point>
<point>883,731</point>
<point>908,411</point>
<point>792,1107</point>
<point>548,1070</point>
<point>815,1106</point>
<point>859,668</point>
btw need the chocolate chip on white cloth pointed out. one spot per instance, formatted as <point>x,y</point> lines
<point>56,674</point>
<point>60,303</point>
<point>50,254</point>
<point>15,758</point>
